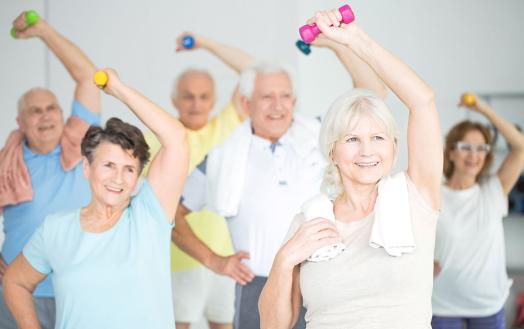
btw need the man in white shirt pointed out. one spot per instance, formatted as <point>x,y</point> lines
<point>258,179</point>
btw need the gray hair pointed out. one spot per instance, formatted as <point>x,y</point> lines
<point>249,75</point>
<point>185,74</point>
<point>22,100</point>
<point>343,115</point>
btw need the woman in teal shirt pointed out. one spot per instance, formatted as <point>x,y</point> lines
<point>109,261</point>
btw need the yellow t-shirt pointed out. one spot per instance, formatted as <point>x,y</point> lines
<point>208,226</point>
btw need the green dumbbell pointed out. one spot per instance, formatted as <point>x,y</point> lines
<point>31,18</point>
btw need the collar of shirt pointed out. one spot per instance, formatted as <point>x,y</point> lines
<point>29,154</point>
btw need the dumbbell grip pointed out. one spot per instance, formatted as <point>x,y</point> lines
<point>308,33</point>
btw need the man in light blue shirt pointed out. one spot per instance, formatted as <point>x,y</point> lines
<point>51,154</point>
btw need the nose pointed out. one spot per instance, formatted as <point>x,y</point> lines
<point>366,148</point>
<point>118,176</point>
<point>277,102</point>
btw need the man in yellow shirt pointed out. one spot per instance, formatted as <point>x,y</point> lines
<point>197,291</point>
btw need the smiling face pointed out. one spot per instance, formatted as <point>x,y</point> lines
<point>469,159</point>
<point>271,105</point>
<point>41,121</point>
<point>112,174</point>
<point>194,100</point>
<point>365,153</point>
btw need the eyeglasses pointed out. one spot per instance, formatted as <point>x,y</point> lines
<point>479,148</point>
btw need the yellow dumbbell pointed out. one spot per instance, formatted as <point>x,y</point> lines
<point>100,78</point>
<point>468,99</point>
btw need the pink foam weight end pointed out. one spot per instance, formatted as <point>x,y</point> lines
<point>347,14</point>
<point>308,33</point>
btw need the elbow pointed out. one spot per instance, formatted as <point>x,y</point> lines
<point>425,99</point>
<point>428,97</point>
<point>7,278</point>
<point>85,74</point>
<point>176,236</point>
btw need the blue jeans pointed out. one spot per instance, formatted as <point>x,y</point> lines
<point>495,321</point>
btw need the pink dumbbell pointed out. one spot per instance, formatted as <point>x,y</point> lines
<point>308,33</point>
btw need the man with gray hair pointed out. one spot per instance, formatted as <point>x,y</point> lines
<point>259,178</point>
<point>197,291</point>
<point>40,165</point>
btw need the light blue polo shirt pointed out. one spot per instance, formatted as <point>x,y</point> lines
<point>53,190</point>
<point>120,278</point>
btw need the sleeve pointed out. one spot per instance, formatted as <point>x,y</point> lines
<point>35,251</point>
<point>83,113</point>
<point>298,220</point>
<point>226,121</point>
<point>495,194</point>
<point>145,204</point>
<point>75,129</point>
<point>195,189</point>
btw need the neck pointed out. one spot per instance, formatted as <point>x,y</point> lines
<point>357,201</point>
<point>193,126</point>
<point>461,182</point>
<point>97,211</point>
<point>273,140</point>
<point>41,148</point>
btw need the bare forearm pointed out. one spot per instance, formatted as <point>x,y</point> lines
<point>188,242</point>
<point>403,81</point>
<point>168,130</point>
<point>235,58</point>
<point>20,303</point>
<point>362,75</point>
<point>514,137</point>
<point>74,60</point>
<point>276,305</point>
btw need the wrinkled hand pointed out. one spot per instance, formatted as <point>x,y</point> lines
<point>113,82</point>
<point>232,266</point>
<point>436,268</point>
<point>3,267</point>
<point>180,47</point>
<point>310,236</point>
<point>329,23</point>
<point>321,41</point>
<point>23,31</point>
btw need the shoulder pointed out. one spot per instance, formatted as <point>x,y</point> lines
<point>490,182</point>
<point>60,221</point>
<point>416,197</point>
<point>297,221</point>
<point>312,124</point>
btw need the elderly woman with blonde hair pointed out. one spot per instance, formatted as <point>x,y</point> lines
<point>386,222</point>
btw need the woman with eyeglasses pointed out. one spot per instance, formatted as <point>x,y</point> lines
<point>471,284</point>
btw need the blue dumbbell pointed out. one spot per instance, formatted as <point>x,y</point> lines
<point>188,42</point>
<point>303,47</point>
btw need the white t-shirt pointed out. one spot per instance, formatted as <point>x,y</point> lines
<point>277,182</point>
<point>470,248</point>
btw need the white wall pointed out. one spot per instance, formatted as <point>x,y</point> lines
<point>454,45</point>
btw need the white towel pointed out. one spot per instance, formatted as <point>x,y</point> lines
<point>392,223</point>
<point>226,167</point>
<point>321,206</point>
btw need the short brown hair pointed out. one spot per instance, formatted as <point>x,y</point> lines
<point>456,134</point>
<point>120,133</point>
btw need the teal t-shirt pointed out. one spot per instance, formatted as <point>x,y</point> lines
<point>119,278</point>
